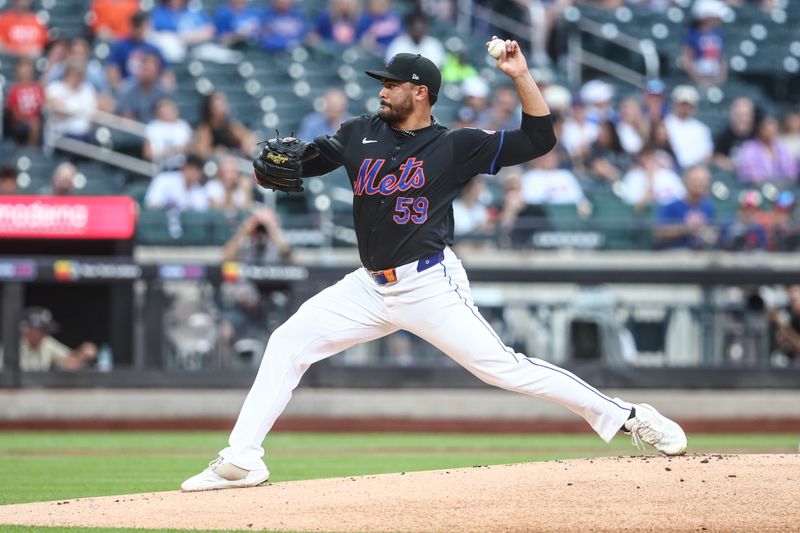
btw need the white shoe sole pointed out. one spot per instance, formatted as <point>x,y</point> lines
<point>254,478</point>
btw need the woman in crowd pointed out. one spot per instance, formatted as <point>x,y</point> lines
<point>217,131</point>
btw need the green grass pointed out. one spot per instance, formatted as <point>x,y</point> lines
<point>38,466</point>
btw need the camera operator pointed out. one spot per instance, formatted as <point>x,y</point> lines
<point>244,308</point>
<point>787,326</point>
<point>258,240</point>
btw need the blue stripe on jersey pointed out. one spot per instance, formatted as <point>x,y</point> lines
<point>502,136</point>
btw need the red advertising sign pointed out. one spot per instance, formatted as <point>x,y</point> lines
<point>67,217</point>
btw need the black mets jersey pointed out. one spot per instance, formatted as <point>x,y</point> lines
<point>404,182</point>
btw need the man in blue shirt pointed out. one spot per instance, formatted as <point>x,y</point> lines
<point>237,22</point>
<point>126,54</point>
<point>284,26</point>
<point>688,222</point>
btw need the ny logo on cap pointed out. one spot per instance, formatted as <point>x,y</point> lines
<point>414,77</point>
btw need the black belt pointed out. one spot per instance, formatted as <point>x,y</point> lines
<point>389,276</point>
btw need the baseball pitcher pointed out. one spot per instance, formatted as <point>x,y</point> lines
<point>406,170</point>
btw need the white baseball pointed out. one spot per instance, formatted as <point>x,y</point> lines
<point>496,47</point>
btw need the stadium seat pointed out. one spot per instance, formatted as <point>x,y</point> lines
<point>622,226</point>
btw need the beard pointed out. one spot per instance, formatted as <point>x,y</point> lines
<point>397,112</point>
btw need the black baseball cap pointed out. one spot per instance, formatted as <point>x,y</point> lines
<point>412,68</point>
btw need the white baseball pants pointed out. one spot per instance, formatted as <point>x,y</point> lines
<point>436,305</point>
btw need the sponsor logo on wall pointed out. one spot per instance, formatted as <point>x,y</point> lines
<point>67,270</point>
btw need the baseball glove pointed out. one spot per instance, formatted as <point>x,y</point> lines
<point>280,164</point>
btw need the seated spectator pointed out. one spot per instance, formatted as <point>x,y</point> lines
<point>22,33</point>
<point>8,180</point>
<point>764,158</point>
<point>127,54</point>
<point>654,109</point>
<point>787,325</point>
<point>55,53</point>
<point>579,133</point>
<point>650,183</point>
<point>327,121</point>
<point>138,96</point>
<point>62,182</point>
<point>689,138</point>
<point>518,221</point>
<point>783,229</point>
<point>745,232</point>
<point>659,139</point>
<point>563,155</point>
<point>378,25</point>
<point>237,23</point>
<point>599,99</point>
<point>78,51</point>
<point>790,133</point>
<point>558,98</point>
<point>337,23</point>
<point>470,212</point>
<point>216,131</point>
<point>547,183</point>
<point>39,351</point>
<point>231,191</point>
<point>284,26</point>
<point>167,136</point>
<point>475,103</point>
<point>110,20</point>
<point>688,222</point>
<point>70,103</point>
<point>703,56</point>
<point>632,127</point>
<point>607,160</point>
<point>23,105</point>
<point>177,26</point>
<point>503,112</point>
<point>415,40</point>
<point>741,122</point>
<point>179,190</point>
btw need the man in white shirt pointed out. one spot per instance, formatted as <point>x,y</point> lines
<point>167,136</point>
<point>417,41</point>
<point>545,183</point>
<point>690,139</point>
<point>649,182</point>
<point>70,103</point>
<point>39,351</point>
<point>180,190</point>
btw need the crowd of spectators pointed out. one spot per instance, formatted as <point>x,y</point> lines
<point>646,148</point>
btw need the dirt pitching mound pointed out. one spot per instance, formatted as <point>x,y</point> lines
<point>696,492</point>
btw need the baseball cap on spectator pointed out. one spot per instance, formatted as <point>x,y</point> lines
<point>475,87</point>
<point>39,318</point>
<point>597,91</point>
<point>558,98</point>
<point>786,201</point>
<point>706,9</point>
<point>655,87</point>
<point>542,75</point>
<point>685,94</point>
<point>750,198</point>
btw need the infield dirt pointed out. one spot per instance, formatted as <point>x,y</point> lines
<point>647,493</point>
